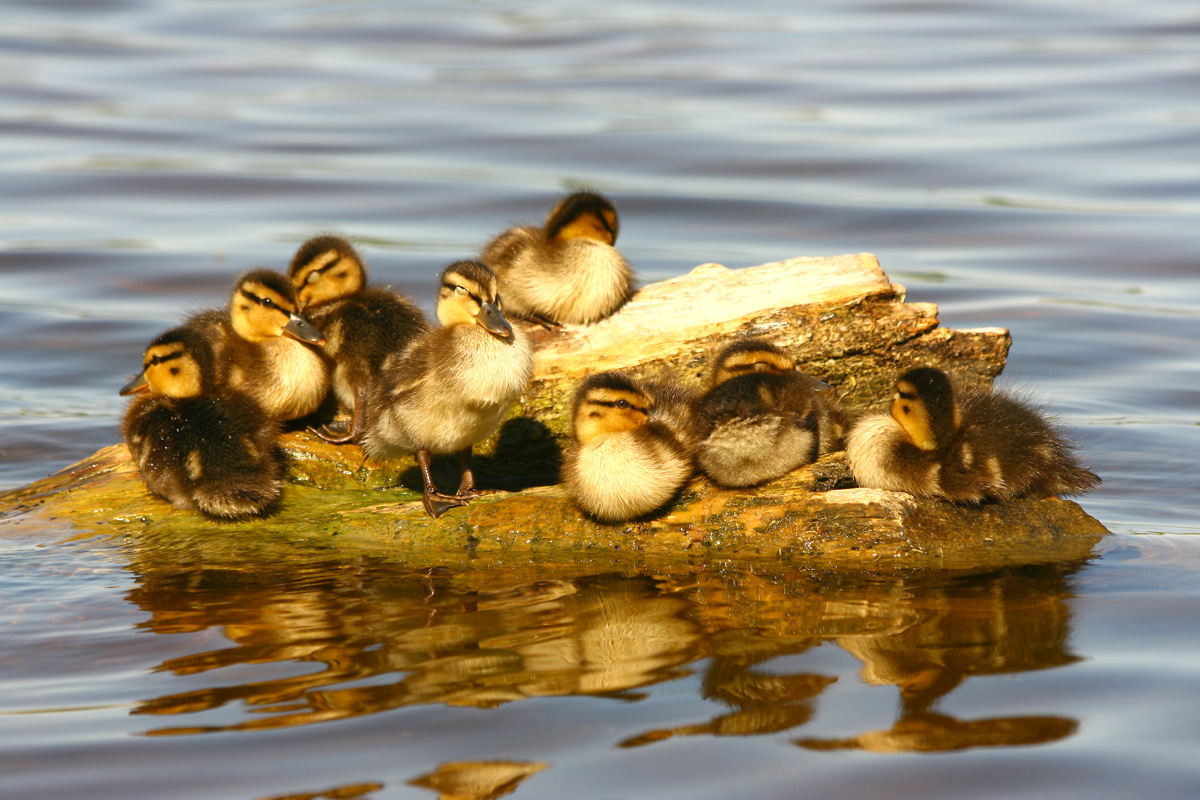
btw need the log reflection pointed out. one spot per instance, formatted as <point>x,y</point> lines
<point>477,780</point>
<point>331,640</point>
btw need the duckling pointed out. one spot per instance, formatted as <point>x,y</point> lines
<point>626,460</point>
<point>362,325</point>
<point>967,446</point>
<point>262,346</point>
<point>762,418</point>
<point>450,388</point>
<point>566,271</point>
<point>211,451</point>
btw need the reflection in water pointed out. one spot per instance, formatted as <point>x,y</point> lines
<point>477,780</point>
<point>763,701</point>
<point>1013,622</point>
<point>386,636</point>
<point>353,791</point>
<point>389,637</point>
<point>928,733</point>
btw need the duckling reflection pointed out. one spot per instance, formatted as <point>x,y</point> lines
<point>362,325</point>
<point>264,348</point>
<point>452,386</point>
<point>1013,621</point>
<point>762,418</point>
<point>764,702</point>
<point>215,452</point>
<point>439,642</point>
<point>967,445</point>
<point>566,271</point>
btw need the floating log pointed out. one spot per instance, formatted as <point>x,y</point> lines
<point>841,318</point>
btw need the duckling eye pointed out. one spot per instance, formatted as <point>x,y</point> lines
<point>313,277</point>
<point>460,290</point>
<point>623,404</point>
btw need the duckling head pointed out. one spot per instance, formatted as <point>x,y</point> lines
<point>583,215</point>
<point>178,364</point>
<point>925,407</point>
<point>326,268</point>
<point>263,306</point>
<point>748,357</point>
<point>607,403</point>
<point>470,296</point>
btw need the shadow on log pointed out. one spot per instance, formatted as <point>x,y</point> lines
<point>841,318</point>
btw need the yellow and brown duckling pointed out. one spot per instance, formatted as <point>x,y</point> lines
<point>762,418</point>
<point>567,271</point>
<point>198,447</point>
<point>968,445</point>
<point>629,456</point>
<point>362,325</point>
<point>265,348</point>
<point>451,387</point>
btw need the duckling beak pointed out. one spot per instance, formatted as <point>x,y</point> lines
<point>820,387</point>
<point>300,328</point>
<point>494,322</point>
<point>136,386</point>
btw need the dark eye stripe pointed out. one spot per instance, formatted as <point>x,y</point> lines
<point>454,287</point>
<point>156,360</point>
<point>607,227</point>
<point>262,301</point>
<point>618,404</point>
<point>322,270</point>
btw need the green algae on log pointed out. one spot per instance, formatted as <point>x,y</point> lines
<point>844,321</point>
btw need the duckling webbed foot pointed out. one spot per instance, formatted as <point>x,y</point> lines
<point>330,434</point>
<point>466,486</point>
<point>336,434</point>
<point>435,502</point>
<point>548,324</point>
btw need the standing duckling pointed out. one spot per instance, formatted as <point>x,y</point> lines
<point>215,452</point>
<point>451,387</point>
<point>567,271</point>
<point>362,325</point>
<point>626,460</point>
<point>966,446</point>
<point>762,418</point>
<point>263,346</point>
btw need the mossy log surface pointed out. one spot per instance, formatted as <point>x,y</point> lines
<point>845,322</point>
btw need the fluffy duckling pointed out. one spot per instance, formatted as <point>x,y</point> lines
<point>452,386</point>
<point>262,346</point>
<point>362,325</point>
<point>762,418</point>
<point>566,271</point>
<point>627,459</point>
<point>966,446</point>
<point>199,449</point>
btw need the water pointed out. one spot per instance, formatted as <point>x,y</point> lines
<point>1029,165</point>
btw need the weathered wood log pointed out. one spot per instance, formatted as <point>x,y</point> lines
<point>844,321</point>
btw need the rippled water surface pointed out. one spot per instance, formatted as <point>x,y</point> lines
<point>1030,165</point>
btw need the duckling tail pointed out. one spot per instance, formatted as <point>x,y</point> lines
<point>237,500</point>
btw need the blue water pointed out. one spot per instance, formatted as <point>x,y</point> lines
<point>1029,165</point>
